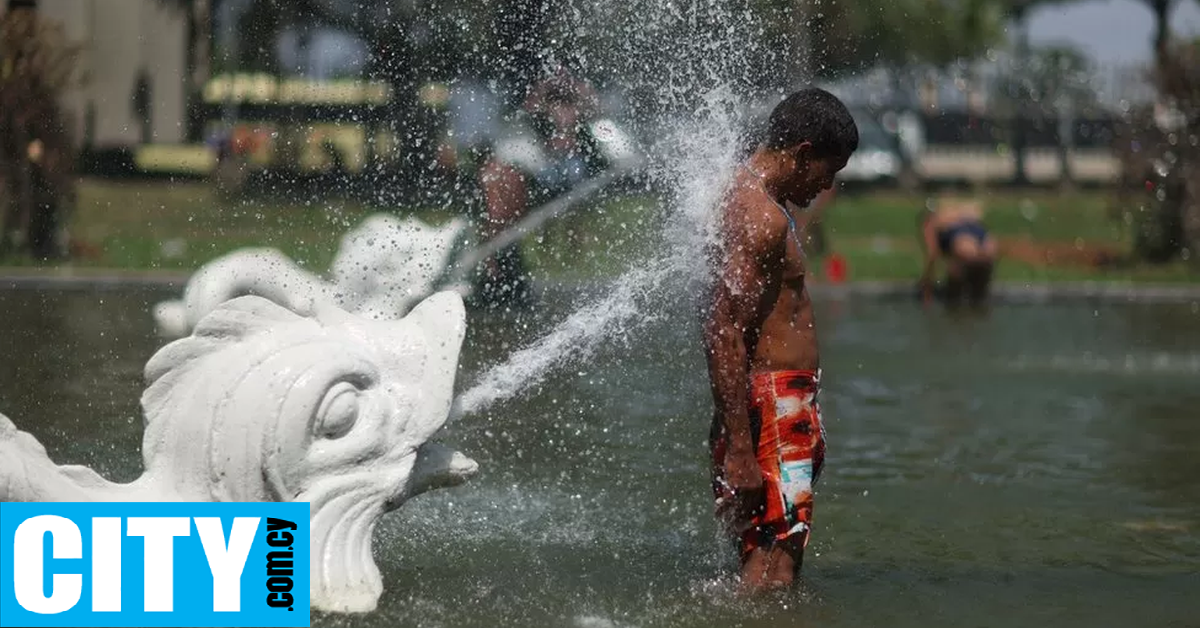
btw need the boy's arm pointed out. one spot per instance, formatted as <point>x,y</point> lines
<point>735,307</point>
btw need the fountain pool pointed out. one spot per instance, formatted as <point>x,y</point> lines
<point>1034,466</point>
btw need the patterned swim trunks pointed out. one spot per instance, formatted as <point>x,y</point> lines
<point>789,437</point>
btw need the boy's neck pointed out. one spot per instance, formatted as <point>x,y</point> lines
<point>769,167</point>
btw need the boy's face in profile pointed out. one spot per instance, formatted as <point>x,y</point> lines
<point>811,175</point>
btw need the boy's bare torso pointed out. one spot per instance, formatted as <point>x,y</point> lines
<point>783,336</point>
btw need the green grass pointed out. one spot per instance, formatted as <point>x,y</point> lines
<point>877,235</point>
<point>136,226</point>
<point>600,239</point>
<point>180,226</point>
<point>1043,215</point>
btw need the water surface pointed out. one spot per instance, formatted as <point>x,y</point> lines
<point>1038,465</point>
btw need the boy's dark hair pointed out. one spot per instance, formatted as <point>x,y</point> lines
<point>812,115</point>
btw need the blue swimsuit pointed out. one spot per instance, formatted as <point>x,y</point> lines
<point>947,235</point>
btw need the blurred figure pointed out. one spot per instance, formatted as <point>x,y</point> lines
<point>142,101</point>
<point>45,233</point>
<point>953,231</point>
<point>559,107</point>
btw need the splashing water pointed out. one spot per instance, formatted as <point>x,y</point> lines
<point>690,70</point>
<point>700,157</point>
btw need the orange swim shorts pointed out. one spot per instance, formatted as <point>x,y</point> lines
<point>789,436</point>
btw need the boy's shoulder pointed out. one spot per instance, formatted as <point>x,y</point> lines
<point>749,214</point>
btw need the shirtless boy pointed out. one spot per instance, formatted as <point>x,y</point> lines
<point>767,437</point>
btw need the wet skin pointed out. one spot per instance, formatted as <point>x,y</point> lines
<point>760,319</point>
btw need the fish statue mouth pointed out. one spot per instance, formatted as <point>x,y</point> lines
<point>345,512</point>
<point>437,466</point>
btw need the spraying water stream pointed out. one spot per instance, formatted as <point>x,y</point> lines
<point>638,296</point>
<point>692,67</point>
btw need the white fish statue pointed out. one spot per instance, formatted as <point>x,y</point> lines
<point>261,403</point>
<point>383,267</point>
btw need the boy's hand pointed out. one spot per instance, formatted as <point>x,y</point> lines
<point>743,475</point>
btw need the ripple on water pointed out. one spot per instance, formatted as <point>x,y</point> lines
<point>1159,363</point>
<point>1057,487</point>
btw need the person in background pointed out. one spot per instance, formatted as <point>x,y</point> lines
<point>559,106</point>
<point>953,231</point>
<point>49,189</point>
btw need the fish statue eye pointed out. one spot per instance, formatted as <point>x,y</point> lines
<point>338,412</point>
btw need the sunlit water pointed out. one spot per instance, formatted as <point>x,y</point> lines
<point>981,472</point>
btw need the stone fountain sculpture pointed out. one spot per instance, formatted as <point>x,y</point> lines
<point>261,403</point>
<point>382,268</point>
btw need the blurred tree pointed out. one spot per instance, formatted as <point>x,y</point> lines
<point>900,34</point>
<point>1023,95</point>
<point>257,31</point>
<point>1062,78</point>
<point>36,153</point>
<point>905,38</point>
<point>1181,79</point>
<point>142,106</point>
<point>1054,82</point>
<point>1162,10</point>
<point>1160,195</point>
<point>1061,73</point>
<point>199,57</point>
<point>1019,94</point>
<point>1160,191</point>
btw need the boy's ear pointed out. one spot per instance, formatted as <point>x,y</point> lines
<point>801,153</point>
<point>803,150</point>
